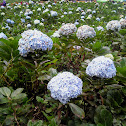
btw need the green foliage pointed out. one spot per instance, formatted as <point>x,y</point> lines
<point>103,117</point>
<point>12,107</point>
<point>79,112</point>
<point>35,123</point>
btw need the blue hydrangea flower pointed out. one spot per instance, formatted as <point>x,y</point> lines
<point>33,40</point>
<point>65,86</point>
<point>28,17</point>
<point>102,67</point>
<point>2,35</point>
<point>22,20</point>
<point>8,20</point>
<point>12,22</point>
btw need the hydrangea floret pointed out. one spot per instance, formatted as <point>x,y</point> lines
<point>102,67</point>
<point>65,86</point>
<point>34,40</point>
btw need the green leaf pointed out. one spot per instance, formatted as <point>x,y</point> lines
<point>96,46</point>
<point>103,116</point>
<point>104,50</point>
<point>35,123</point>
<point>122,31</point>
<point>20,96</point>
<point>16,92</point>
<point>53,122</point>
<point>79,112</point>
<point>5,91</point>
<point>39,99</point>
<point>124,90</point>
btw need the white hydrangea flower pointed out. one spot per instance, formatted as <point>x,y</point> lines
<point>39,9</point>
<point>46,10</point>
<point>2,7</point>
<point>67,29</point>
<point>89,10</point>
<point>2,14</point>
<point>70,12</point>
<point>113,25</point>
<point>65,86</point>
<point>65,13</point>
<point>78,9</point>
<point>101,67</point>
<point>33,40</point>
<point>41,24</point>
<point>28,25</point>
<point>36,21</point>
<point>85,31</point>
<point>123,23</point>
<point>83,13</point>
<point>56,34</point>
<point>53,13</point>
<point>49,6</point>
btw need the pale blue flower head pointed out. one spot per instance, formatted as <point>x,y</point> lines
<point>65,86</point>
<point>8,20</point>
<point>100,28</point>
<point>28,17</point>
<point>12,22</point>
<point>54,4</point>
<point>22,20</point>
<point>2,35</point>
<point>93,12</point>
<point>28,25</point>
<point>98,19</point>
<point>101,67</point>
<point>34,40</point>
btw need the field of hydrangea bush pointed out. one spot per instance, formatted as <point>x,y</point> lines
<point>63,64</point>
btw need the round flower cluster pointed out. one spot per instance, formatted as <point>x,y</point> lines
<point>10,21</point>
<point>33,40</point>
<point>67,29</point>
<point>53,13</point>
<point>113,25</point>
<point>36,21</point>
<point>65,86</point>
<point>2,35</point>
<point>100,28</point>
<point>85,31</point>
<point>102,67</point>
<point>123,23</point>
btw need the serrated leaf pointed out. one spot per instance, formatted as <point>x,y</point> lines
<point>16,92</point>
<point>79,112</point>
<point>5,91</point>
